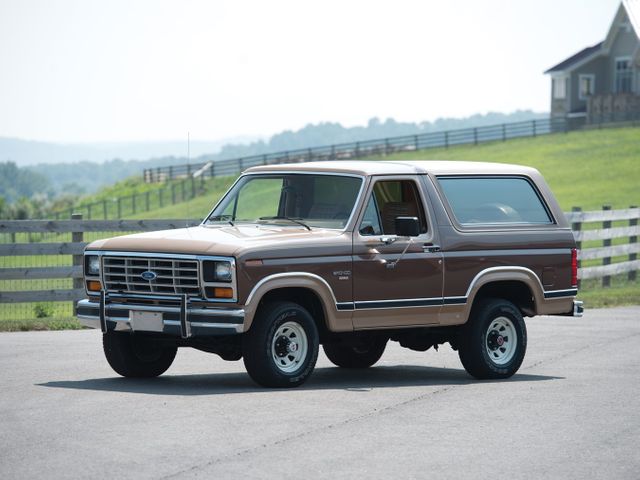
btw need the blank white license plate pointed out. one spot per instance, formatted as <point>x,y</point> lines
<point>146,321</point>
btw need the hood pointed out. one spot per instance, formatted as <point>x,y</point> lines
<point>216,240</point>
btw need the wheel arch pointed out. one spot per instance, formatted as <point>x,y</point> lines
<point>519,285</point>
<point>306,289</point>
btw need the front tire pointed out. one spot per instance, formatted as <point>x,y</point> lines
<point>281,348</point>
<point>361,356</point>
<point>494,340</point>
<point>133,356</point>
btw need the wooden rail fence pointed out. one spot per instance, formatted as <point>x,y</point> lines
<point>77,227</point>
<point>618,251</point>
<point>606,235</point>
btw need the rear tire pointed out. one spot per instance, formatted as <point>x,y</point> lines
<point>362,356</point>
<point>133,356</point>
<point>494,340</point>
<point>281,348</point>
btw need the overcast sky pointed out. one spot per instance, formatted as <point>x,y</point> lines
<point>112,70</point>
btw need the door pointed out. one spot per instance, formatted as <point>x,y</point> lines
<point>397,280</point>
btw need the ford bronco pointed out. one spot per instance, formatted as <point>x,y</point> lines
<point>347,255</point>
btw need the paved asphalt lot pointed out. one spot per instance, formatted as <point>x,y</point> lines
<point>573,411</point>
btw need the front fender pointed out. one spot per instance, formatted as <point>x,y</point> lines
<point>336,321</point>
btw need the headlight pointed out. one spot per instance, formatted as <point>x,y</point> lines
<point>223,271</point>
<point>216,271</point>
<point>92,265</point>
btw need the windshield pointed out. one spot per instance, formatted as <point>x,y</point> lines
<point>324,201</point>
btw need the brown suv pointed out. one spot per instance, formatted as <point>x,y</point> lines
<point>349,255</point>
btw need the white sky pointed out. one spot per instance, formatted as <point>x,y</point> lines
<point>114,70</point>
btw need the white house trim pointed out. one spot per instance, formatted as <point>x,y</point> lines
<point>590,76</point>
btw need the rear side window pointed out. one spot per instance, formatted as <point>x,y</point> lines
<point>494,200</point>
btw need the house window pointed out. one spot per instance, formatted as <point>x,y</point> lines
<point>623,75</point>
<point>559,87</point>
<point>587,84</point>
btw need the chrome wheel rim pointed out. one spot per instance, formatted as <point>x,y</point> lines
<point>501,340</point>
<point>289,347</point>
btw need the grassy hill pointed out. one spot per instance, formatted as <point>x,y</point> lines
<point>587,169</point>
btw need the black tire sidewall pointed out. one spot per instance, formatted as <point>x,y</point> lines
<point>474,354</point>
<point>347,356</point>
<point>508,310</point>
<point>122,351</point>
<point>257,345</point>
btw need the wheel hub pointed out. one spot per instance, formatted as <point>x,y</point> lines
<point>495,340</point>
<point>289,347</point>
<point>501,340</point>
<point>283,346</point>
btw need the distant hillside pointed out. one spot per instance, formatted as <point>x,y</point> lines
<point>29,152</point>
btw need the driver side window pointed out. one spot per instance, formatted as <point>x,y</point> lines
<point>390,199</point>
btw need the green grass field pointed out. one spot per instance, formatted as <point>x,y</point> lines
<point>587,169</point>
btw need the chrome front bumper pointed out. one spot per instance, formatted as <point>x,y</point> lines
<point>180,321</point>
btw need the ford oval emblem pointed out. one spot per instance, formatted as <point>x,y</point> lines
<point>149,275</point>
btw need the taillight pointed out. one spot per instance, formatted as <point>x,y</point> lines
<point>574,267</point>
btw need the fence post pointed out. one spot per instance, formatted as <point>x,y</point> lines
<point>333,152</point>
<point>415,142</point>
<point>264,159</point>
<point>146,199</point>
<point>386,146</point>
<point>133,203</point>
<point>240,164</point>
<point>173,194</point>
<point>160,192</point>
<point>170,172</point>
<point>76,237</point>
<point>193,187</point>
<point>533,127</point>
<point>606,280</point>
<point>633,239</point>
<point>446,139</point>
<point>357,154</point>
<point>119,209</point>
<point>504,132</point>
<point>212,171</point>
<point>183,191</point>
<point>104,209</point>
<point>576,227</point>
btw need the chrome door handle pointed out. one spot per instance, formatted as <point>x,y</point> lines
<point>431,248</point>
<point>388,240</point>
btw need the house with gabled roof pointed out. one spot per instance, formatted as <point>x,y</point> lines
<point>602,81</point>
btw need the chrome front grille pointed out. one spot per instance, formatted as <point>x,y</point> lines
<point>172,275</point>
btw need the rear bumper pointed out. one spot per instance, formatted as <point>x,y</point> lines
<point>179,321</point>
<point>578,308</point>
<point>577,311</point>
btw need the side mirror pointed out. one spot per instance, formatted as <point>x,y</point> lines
<point>407,226</point>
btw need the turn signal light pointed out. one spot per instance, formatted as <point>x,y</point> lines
<point>94,286</point>
<point>219,292</point>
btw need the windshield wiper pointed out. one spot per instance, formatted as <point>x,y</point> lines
<point>278,217</point>
<point>221,218</point>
